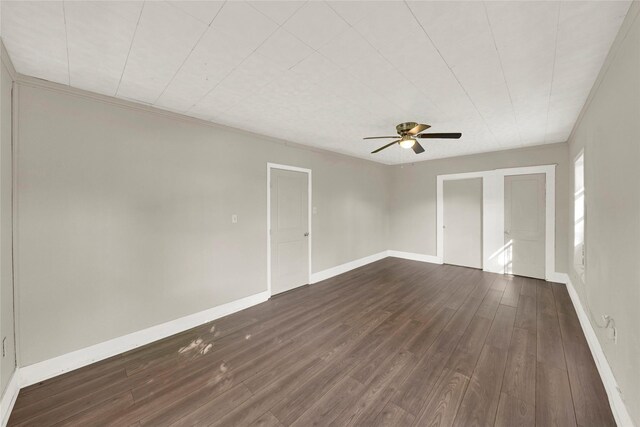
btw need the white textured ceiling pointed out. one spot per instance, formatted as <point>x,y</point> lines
<point>326,74</point>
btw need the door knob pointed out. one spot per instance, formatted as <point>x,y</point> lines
<point>306,234</point>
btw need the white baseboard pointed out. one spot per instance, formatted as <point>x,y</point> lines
<point>348,266</point>
<point>49,368</point>
<point>415,257</point>
<point>9,397</point>
<point>620,412</point>
<point>558,278</point>
<point>41,371</point>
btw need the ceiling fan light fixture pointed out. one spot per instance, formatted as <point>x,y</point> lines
<point>409,134</point>
<point>407,143</point>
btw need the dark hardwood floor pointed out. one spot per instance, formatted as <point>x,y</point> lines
<point>396,342</point>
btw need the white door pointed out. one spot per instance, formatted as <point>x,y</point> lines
<point>524,225</point>
<point>462,206</point>
<point>289,230</point>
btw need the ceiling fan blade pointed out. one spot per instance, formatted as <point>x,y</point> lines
<point>380,137</point>
<point>454,135</point>
<point>417,148</point>
<point>385,146</point>
<point>416,130</point>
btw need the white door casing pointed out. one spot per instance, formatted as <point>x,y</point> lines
<point>289,226</point>
<point>493,216</point>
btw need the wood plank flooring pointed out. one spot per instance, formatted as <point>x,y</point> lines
<point>396,342</point>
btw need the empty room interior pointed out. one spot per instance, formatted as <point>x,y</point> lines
<point>329,213</point>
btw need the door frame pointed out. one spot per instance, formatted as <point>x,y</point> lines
<point>271,166</point>
<point>493,215</point>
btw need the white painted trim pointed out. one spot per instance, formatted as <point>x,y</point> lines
<point>67,362</point>
<point>559,278</point>
<point>32,374</point>
<point>9,397</point>
<point>347,266</point>
<point>309,209</point>
<point>619,409</point>
<point>572,213</point>
<point>550,211</point>
<point>415,257</point>
<point>46,369</point>
<point>493,211</point>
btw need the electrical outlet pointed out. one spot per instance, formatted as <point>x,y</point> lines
<point>234,219</point>
<point>315,210</point>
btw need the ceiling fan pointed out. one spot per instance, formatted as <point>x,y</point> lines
<point>408,132</point>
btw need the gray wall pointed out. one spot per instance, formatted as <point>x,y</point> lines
<point>8,362</point>
<point>609,134</point>
<point>129,212</point>
<point>412,225</point>
<point>124,217</point>
<point>124,214</point>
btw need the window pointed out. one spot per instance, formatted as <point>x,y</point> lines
<point>579,216</point>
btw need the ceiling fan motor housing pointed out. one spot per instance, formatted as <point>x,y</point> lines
<point>403,128</point>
